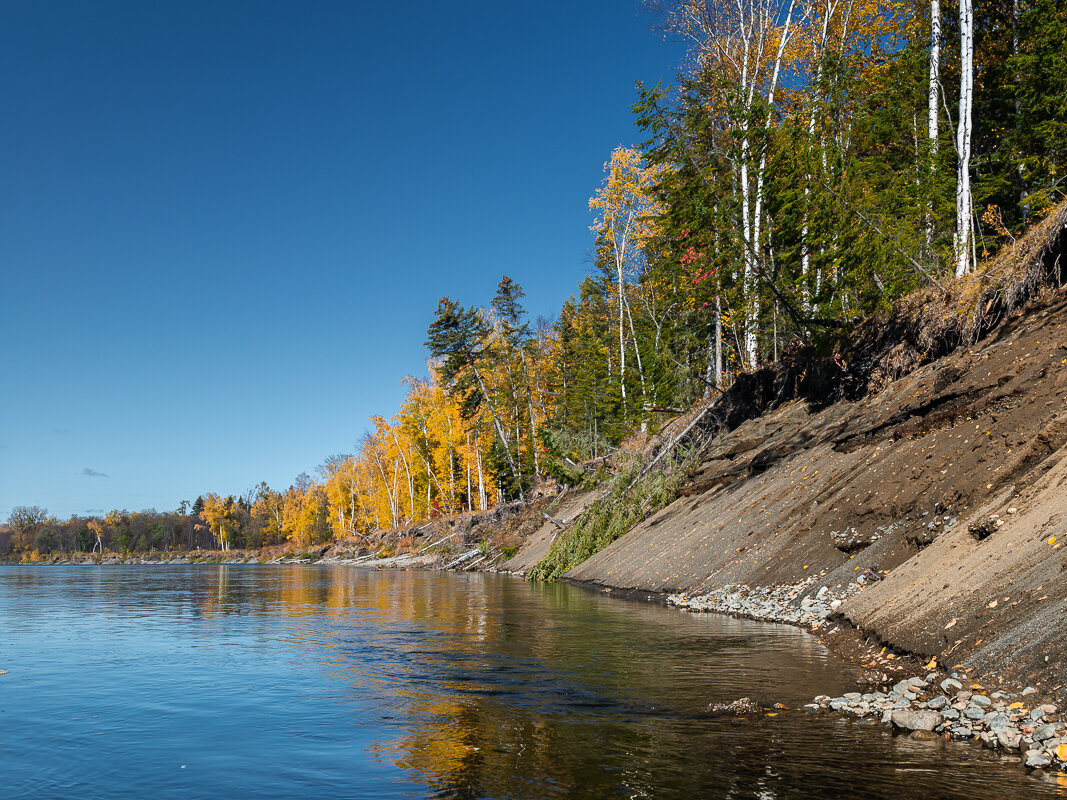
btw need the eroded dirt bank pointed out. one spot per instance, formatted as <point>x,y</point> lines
<point>950,485</point>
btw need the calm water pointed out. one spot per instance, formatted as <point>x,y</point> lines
<point>319,682</point>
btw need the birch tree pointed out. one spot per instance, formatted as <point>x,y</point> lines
<point>745,43</point>
<point>626,220</point>
<point>963,244</point>
<point>933,107</point>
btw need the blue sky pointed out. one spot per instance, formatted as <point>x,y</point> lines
<point>224,226</point>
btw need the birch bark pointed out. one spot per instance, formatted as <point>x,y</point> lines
<point>964,209</point>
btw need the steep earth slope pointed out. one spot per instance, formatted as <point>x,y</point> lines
<point>946,491</point>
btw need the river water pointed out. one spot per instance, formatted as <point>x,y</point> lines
<point>334,682</point>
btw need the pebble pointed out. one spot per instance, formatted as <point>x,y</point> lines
<point>1008,740</point>
<point>1035,759</point>
<point>997,722</point>
<point>1044,732</point>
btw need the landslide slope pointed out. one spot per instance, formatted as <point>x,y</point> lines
<point>889,478</point>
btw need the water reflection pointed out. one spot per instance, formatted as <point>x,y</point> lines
<point>339,682</point>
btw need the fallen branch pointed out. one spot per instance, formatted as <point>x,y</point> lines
<point>463,557</point>
<point>434,544</point>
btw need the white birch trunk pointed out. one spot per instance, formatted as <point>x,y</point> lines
<point>964,211</point>
<point>933,107</point>
<point>718,341</point>
<point>482,499</point>
<point>496,420</point>
<point>467,463</point>
<point>530,409</point>
<point>407,470</point>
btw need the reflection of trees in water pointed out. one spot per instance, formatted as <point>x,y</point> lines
<point>512,689</point>
<point>562,717</point>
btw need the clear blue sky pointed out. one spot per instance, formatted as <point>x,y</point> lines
<point>224,226</point>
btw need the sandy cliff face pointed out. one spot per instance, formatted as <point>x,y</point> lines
<point>950,484</point>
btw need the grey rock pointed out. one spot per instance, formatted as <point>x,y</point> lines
<point>974,712</point>
<point>839,704</point>
<point>1009,740</point>
<point>937,702</point>
<point>1029,690</point>
<point>948,684</point>
<point>1035,759</point>
<point>1043,732</point>
<point>853,696</point>
<point>997,722</point>
<point>916,720</point>
<point>981,700</point>
<point>950,713</point>
<point>1037,714</point>
<point>901,687</point>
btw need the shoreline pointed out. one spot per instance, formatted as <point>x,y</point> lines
<point>930,703</point>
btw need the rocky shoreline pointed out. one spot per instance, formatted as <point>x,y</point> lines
<point>1000,719</point>
<point>927,707</point>
<point>794,604</point>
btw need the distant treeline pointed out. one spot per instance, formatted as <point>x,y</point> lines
<point>208,523</point>
<point>815,161</point>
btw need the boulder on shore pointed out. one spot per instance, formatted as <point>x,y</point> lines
<point>916,720</point>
